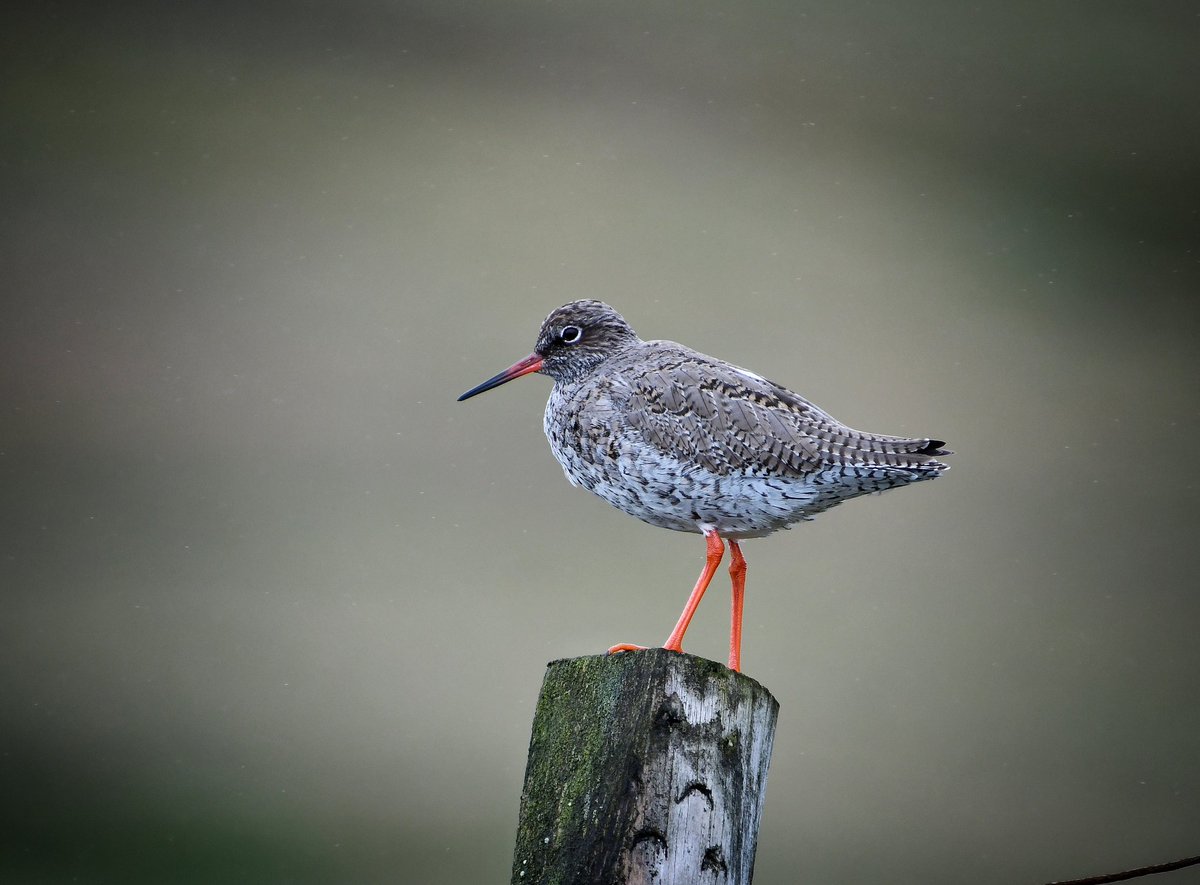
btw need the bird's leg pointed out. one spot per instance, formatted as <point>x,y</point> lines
<point>716,549</point>
<point>737,574</point>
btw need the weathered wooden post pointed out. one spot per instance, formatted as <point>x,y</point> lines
<point>644,767</point>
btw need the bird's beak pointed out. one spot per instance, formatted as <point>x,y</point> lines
<point>531,363</point>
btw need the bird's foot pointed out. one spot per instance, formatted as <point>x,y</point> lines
<point>628,646</point>
<point>625,646</point>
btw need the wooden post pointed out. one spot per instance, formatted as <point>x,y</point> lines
<point>646,766</point>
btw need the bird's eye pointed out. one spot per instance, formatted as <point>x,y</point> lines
<point>570,334</point>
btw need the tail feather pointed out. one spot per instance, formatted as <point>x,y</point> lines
<point>932,447</point>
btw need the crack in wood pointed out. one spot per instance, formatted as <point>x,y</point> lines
<point>649,834</point>
<point>670,712</point>
<point>714,861</point>
<point>697,787</point>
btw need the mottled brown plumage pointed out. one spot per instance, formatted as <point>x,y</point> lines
<point>689,442</point>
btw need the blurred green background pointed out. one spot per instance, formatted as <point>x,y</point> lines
<point>276,608</point>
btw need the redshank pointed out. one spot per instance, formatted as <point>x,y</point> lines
<point>692,443</point>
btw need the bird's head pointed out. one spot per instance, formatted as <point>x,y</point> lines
<point>573,341</point>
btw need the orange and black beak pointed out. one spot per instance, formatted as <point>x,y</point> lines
<point>531,363</point>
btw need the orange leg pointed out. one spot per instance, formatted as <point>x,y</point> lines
<point>737,574</point>
<point>716,549</point>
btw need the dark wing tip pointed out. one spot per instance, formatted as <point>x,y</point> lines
<point>934,447</point>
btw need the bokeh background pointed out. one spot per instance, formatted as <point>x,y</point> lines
<point>276,608</point>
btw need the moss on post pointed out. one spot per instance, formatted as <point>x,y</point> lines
<point>644,766</point>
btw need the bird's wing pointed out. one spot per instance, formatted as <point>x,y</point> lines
<point>727,420</point>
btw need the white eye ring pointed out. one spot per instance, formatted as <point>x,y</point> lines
<point>571,334</point>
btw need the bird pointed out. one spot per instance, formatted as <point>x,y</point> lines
<point>692,443</point>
